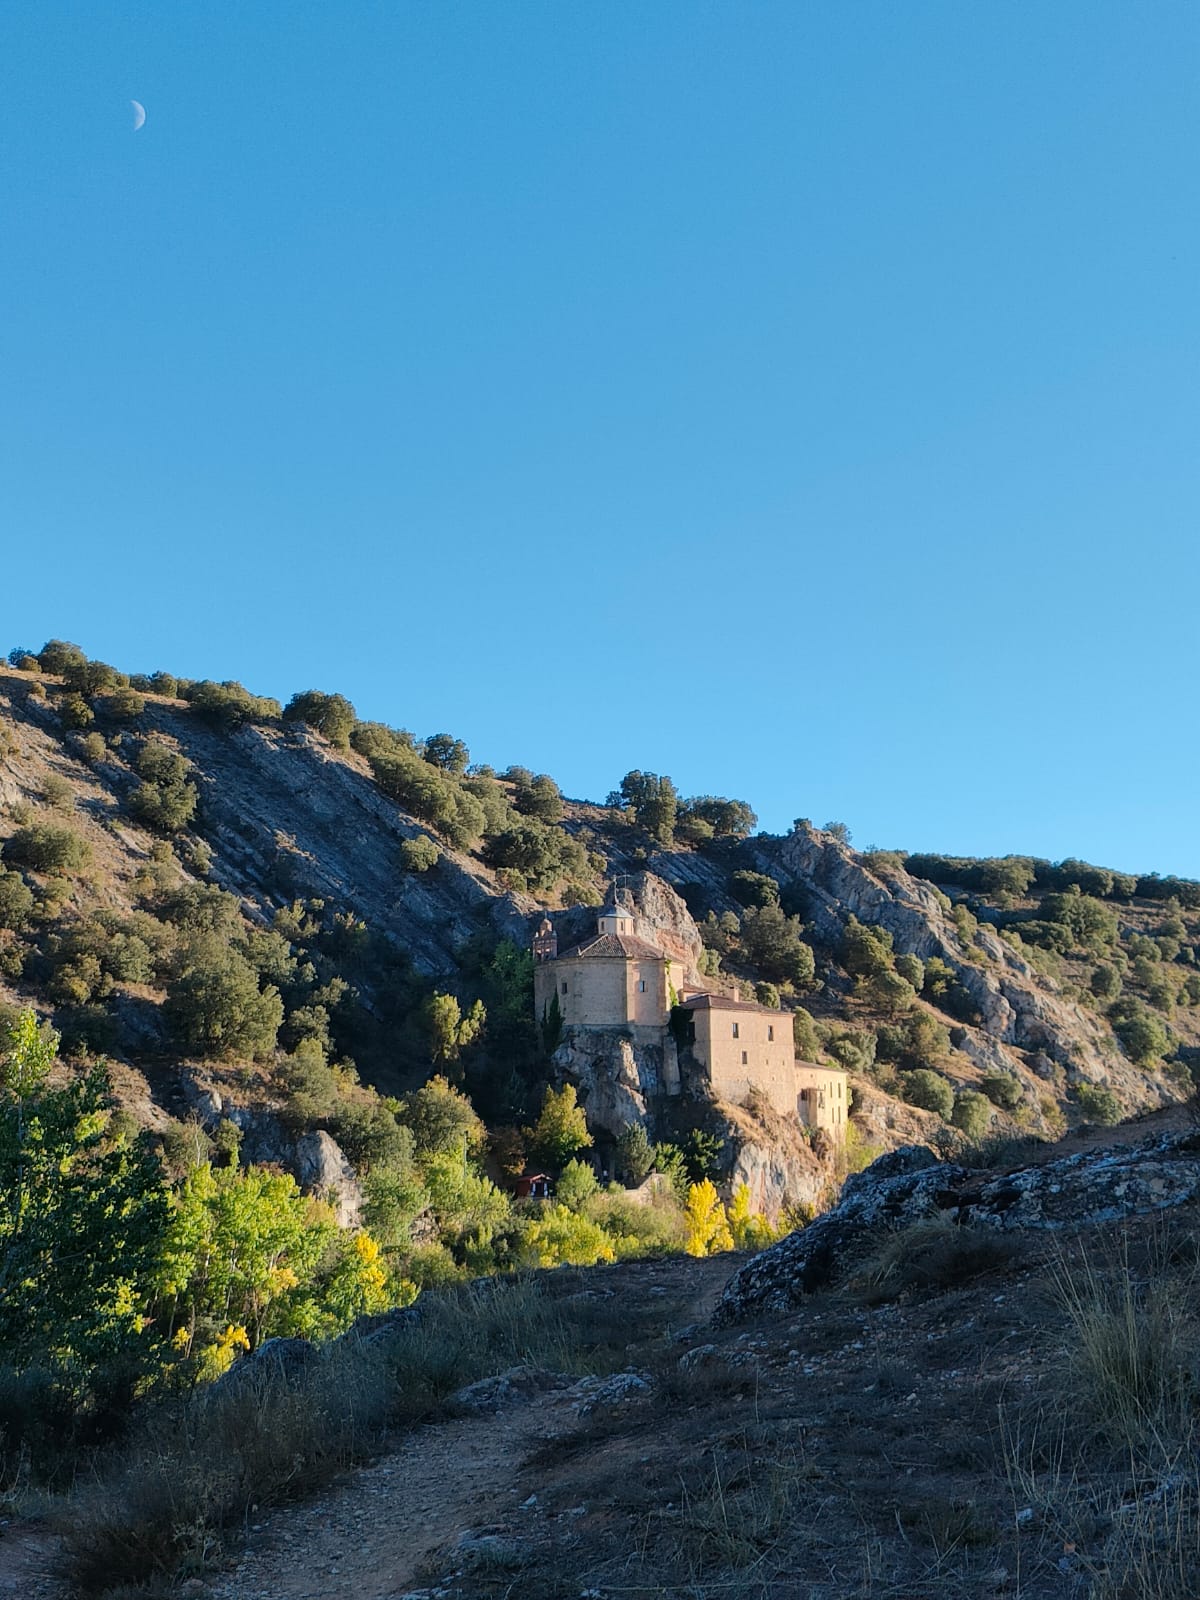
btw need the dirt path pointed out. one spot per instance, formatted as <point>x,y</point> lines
<point>369,1537</point>
<point>375,1534</point>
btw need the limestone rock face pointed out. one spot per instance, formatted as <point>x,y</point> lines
<point>616,1078</point>
<point>1093,1186</point>
<point>322,1168</point>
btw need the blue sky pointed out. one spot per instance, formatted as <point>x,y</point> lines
<point>799,399</point>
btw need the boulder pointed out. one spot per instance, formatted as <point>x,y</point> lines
<point>1091,1187</point>
<point>321,1166</point>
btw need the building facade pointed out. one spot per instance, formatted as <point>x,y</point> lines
<point>621,980</point>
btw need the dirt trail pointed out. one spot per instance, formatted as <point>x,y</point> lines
<point>371,1536</point>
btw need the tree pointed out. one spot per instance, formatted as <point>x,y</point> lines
<point>82,1216</point>
<point>577,1183</point>
<point>727,818</point>
<point>707,1224</point>
<point>750,1231</point>
<point>754,889</point>
<point>47,848</point>
<point>214,1004</point>
<point>804,1035</point>
<point>16,900</point>
<point>1143,1037</point>
<point>772,942</point>
<point>635,1155</point>
<point>230,705</point>
<point>419,854</point>
<point>930,1091</point>
<point>972,1113</point>
<point>442,1120</point>
<point>444,751</point>
<point>165,800</point>
<point>561,1129</point>
<point>653,802</point>
<point>330,714</point>
<point>1098,1105</point>
<point>866,950</point>
<point>539,797</point>
<point>449,1031</point>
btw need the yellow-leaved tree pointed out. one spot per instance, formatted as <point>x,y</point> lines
<point>707,1224</point>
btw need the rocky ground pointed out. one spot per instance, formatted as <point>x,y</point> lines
<point>928,1424</point>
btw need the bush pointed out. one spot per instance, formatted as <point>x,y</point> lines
<point>538,797</point>
<point>165,800</point>
<point>1097,1104</point>
<point>122,705</point>
<point>1143,1037</point>
<point>16,900</point>
<point>754,889</point>
<point>46,848</point>
<point>930,1091</point>
<point>330,714</point>
<point>561,1129</point>
<point>972,1113</point>
<point>1003,1089</point>
<point>419,854</point>
<point>865,950</point>
<point>576,1185</point>
<point>93,749</point>
<point>772,942</point>
<point>230,705</point>
<point>215,1007</point>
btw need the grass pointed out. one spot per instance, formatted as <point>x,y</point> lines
<point>935,1253</point>
<point>1109,1461</point>
<point>195,1468</point>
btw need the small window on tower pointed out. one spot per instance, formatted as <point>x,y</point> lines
<point>770,1031</point>
<point>735,1030</point>
<point>641,985</point>
<point>564,988</point>
<point>745,1058</point>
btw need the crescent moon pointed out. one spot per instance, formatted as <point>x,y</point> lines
<point>139,114</point>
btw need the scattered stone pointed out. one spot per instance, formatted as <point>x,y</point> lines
<point>517,1386</point>
<point>623,1389</point>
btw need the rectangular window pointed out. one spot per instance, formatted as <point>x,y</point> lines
<point>564,988</point>
<point>641,985</point>
<point>804,1094</point>
<point>745,1058</point>
<point>770,1031</point>
<point>735,1030</point>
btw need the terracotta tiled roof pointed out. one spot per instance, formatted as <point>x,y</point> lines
<point>724,1002</point>
<point>620,946</point>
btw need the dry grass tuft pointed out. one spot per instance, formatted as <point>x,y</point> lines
<point>936,1253</point>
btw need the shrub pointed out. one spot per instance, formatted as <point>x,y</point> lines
<point>230,705</point>
<point>93,748</point>
<point>754,889</point>
<point>122,705</point>
<point>652,801</point>
<point>561,1129</point>
<point>929,1090</point>
<point>972,1113</point>
<point>635,1155</point>
<point>1003,1089</point>
<point>442,1120</point>
<point>1098,1105</point>
<point>419,854</point>
<point>576,1185</point>
<point>772,942</point>
<point>165,800</point>
<point>46,848</point>
<point>804,1035</point>
<point>215,1007</point>
<point>707,1224</point>
<point>726,818</point>
<point>538,797</point>
<point>330,714</point>
<point>865,950</point>
<point>57,792</point>
<point>16,900</point>
<point>444,751</point>
<point>74,712</point>
<point>1143,1037</point>
<point>912,970</point>
<point>1105,982</point>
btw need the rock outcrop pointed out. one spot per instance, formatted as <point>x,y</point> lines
<point>901,1188</point>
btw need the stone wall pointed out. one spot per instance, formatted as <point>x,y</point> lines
<point>759,1055</point>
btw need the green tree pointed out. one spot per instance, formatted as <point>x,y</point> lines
<point>450,1031</point>
<point>930,1091</point>
<point>47,848</point>
<point>16,900</point>
<point>165,800</point>
<point>576,1185</point>
<point>1143,1037</point>
<point>330,714</point>
<point>972,1113</point>
<point>866,950</point>
<point>754,889</point>
<point>561,1128</point>
<point>215,1006</point>
<point>444,751</point>
<point>538,797</point>
<point>635,1155</point>
<point>1003,1089</point>
<point>442,1120</point>
<point>82,1216</point>
<point>419,854</point>
<point>1098,1105</point>
<point>772,942</point>
<point>804,1035</point>
<point>727,818</point>
<point>652,801</point>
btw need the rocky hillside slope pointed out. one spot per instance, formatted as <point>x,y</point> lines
<point>363,874</point>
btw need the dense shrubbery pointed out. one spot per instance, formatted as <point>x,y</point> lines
<point>165,800</point>
<point>48,847</point>
<point>330,714</point>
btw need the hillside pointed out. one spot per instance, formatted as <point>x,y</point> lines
<point>1064,992</point>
